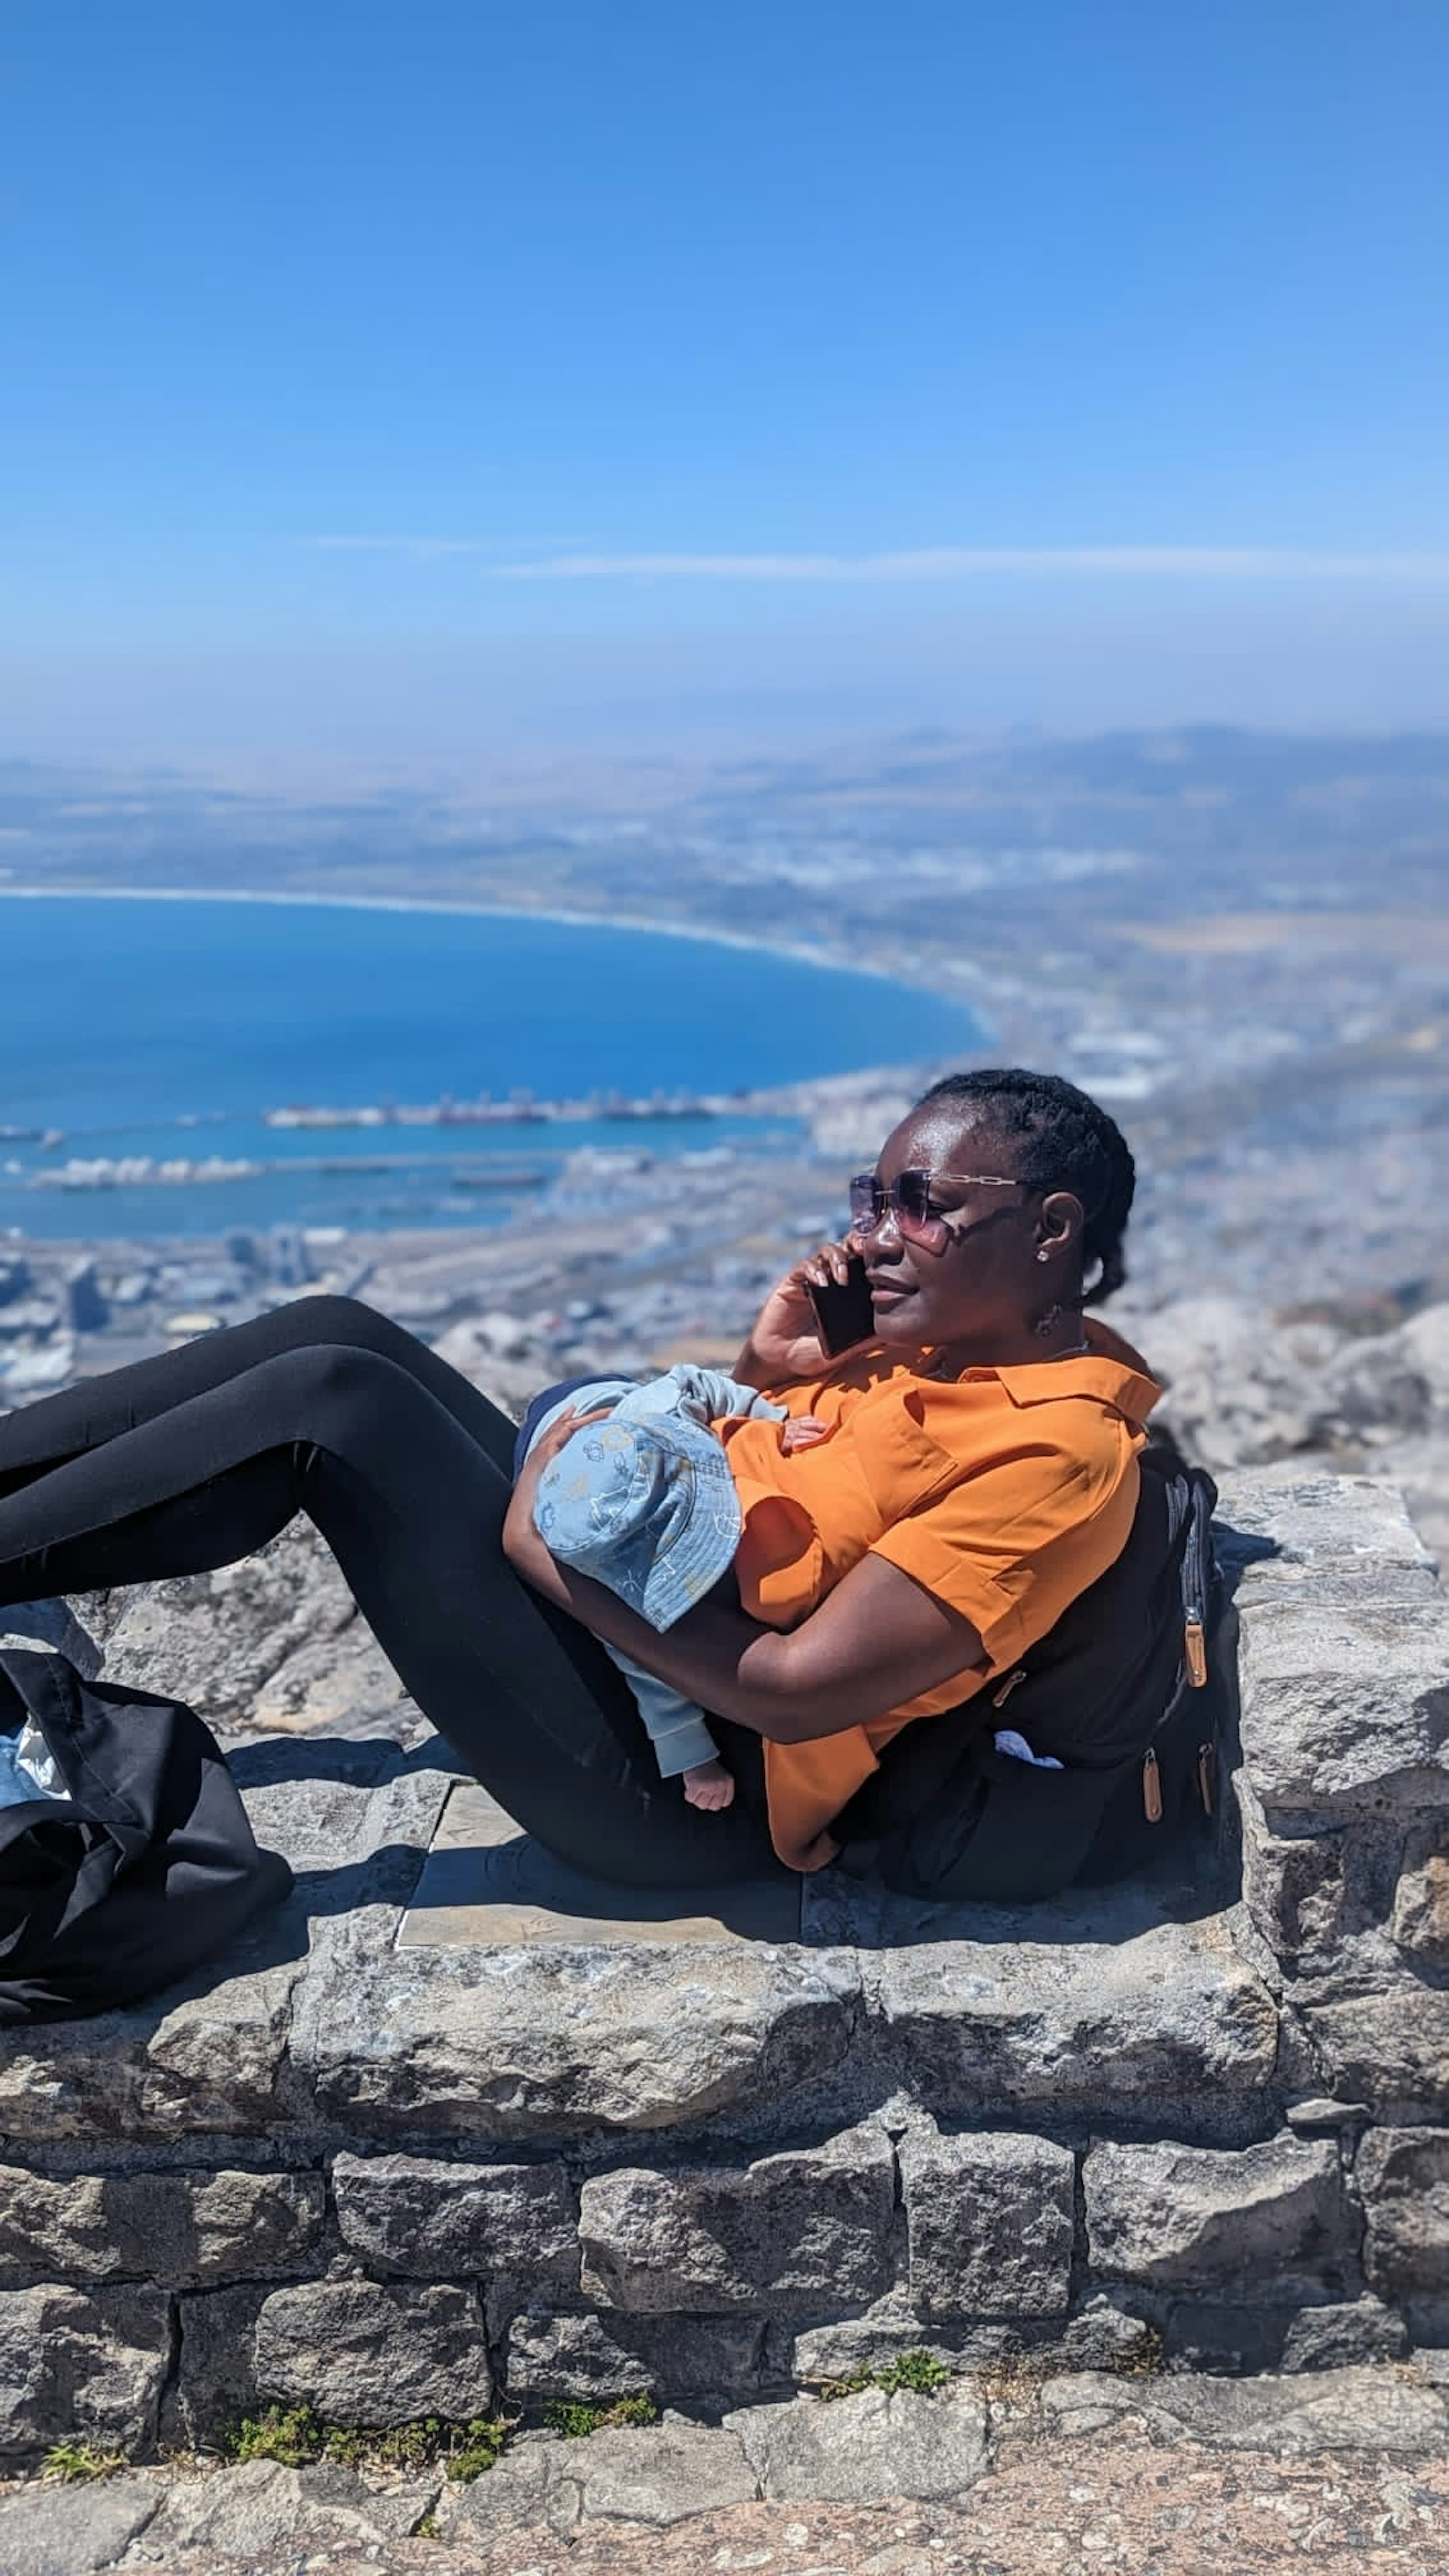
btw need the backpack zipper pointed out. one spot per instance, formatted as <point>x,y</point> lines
<point>1151,1788</point>
<point>1000,1697</point>
<point>1195,1647</point>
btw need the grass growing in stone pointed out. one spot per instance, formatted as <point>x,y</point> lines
<point>296,2437</point>
<point>576,2422</point>
<point>920,2372</point>
<point>74,2462</point>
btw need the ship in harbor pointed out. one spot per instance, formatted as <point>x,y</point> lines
<point>520,1109</point>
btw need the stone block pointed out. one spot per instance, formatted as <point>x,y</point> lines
<point>839,2346</point>
<point>216,2378</point>
<point>1321,1533</point>
<point>665,2475</point>
<point>1390,2049</point>
<point>870,2449</point>
<point>372,2352</point>
<point>72,2531</point>
<point>1165,2022</point>
<point>1343,2334</point>
<point>594,2358</point>
<point>787,2234</point>
<point>1403,2178</point>
<point>1420,1921</point>
<point>1329,2410</point>
<point>270,2517</point>
<point>179,2228</point>
<point>990,2223</point>
<point>420,2216</point>
<point>204,2062</point>
<point>516,2043</point>
<point>1293,1885</point>
<point>1345,1709</point>
<point>1203,2218</point>
<point>84,2365</point>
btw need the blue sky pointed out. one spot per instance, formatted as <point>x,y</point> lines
<point>402,382</point>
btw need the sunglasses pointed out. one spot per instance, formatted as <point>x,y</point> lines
<point>908,1199</point>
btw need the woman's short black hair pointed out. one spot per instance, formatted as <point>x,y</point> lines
<point>1062,1141</point>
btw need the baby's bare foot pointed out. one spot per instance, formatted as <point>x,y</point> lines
<point>803,1433</point>
<point>709,1785</point>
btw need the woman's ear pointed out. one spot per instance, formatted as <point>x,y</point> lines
<point>1062,1221</point>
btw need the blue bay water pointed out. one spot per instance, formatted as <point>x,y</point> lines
<point>120,1017</point>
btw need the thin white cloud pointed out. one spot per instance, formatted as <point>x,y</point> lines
<point>502,561</point>
<point>956,563</point>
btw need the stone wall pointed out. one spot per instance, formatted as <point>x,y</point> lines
<point>1166,2121</point>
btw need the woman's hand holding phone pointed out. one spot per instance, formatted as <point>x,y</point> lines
<point>789,1339</point>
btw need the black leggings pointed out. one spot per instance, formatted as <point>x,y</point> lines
<point>189,1461</point>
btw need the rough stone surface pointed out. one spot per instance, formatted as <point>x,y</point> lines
<point>1346,1709</point>
<point>861,2450</point>
<point>593,2357</point>
<point>206,2060</point>
<point>176,2228</point>
<point>1342,2334</point>
<point>1199,2218</point>
<point>990,2222</point>
<point>421,2216</point>
<point>536,2488</point>
<point>785,2234</point>
<point>261,2510</point>
<point>1403,2177</point>
<point>1358,2409</point>
<point>1420,1922</point>
<point>71,2531</point>
<point>663,2475</point>
<point>216,2379</point>
<point>1166,2016</point>
<point>1390,2049</point>
<point>78,2364</point>
<point>369,2352</point>
<point>513,2043</point>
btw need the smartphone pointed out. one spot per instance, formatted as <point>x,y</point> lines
<point>844,1311</point>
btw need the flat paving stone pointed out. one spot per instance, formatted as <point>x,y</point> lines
<point>485,1883</point>
<point>48,2530</point>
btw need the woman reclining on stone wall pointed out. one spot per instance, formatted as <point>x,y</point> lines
<point>987,1432</point>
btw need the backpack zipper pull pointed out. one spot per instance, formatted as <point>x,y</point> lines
<point>1000,1697</point>
<point>1207,1771</point>
<point>1195,1647</point>
<point>1151,1788</point>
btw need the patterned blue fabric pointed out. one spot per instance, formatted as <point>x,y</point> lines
<point>645,1504</point>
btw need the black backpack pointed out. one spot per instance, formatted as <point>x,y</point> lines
<point>147,1866</point>
<point>1130,1692</point>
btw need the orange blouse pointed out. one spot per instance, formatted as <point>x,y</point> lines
<point>1005,1492</point>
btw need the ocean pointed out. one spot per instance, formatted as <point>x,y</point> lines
<point>164,1030</point>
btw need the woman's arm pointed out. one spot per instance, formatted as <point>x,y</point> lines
<point>877,1640</point>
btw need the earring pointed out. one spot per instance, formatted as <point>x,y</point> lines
<point>1043,1255</point>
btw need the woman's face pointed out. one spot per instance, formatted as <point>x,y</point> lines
<point>988,1283</point>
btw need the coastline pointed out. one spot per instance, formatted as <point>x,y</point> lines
<point>824,959</point>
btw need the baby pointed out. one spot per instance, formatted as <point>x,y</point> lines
<point>644,1502</point>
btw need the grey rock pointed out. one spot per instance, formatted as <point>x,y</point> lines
<point>840,2346</point>
<point>1239,1388</point>
<point>1403,2177</point>
<point>1341,2335</point>
<point>78,2364</point>
<point>516,2042</point>
<point>1420,1921</point>
<point>990,2221</point>
<point>418,2215</point>
<point>1293,1885</point>
<point>1356,2410</point>
<point>274,1641</point>
<point>596,2358</point>
<point>785,2234</point>
<point>1202,2218</point>
<point>537,2486</point>
<point>869,2449</point>
<point>1106,2334</point>
<point>216,2379</point>
<point>208,2062</point>
<point>1346,1709</point>
<point>261,2510</point>
<point>371,2352</point>
<point>1164,2015</point>
<point>1390,2049</point>
<point>663,2476</point>
<point>71,2531</point>
<point>1339,1537</point>
<point>1394,1382</point>
<point>181,2227</point>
